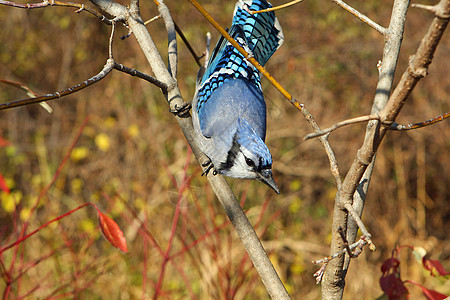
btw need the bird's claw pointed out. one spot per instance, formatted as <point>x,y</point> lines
<point>181,110</point>
<point>209,166</point>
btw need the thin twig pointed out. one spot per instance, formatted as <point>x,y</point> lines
<point>327,259</point>
<point>46,3</point>
<point>152,19</point>
<point>357,247</point>
<point>208,48</point>
<point>182,36</point>
<point>344,239</point>
<point>329,151</point>
<point>171,37</point>
<point>361,226</point>
<point>438,10</point>
<point>29,92</point>
<point>134,72</point>
<point>361,16</point>
<point>341,124</point>
<point>111,39</point>
<point>319,274</point>
<point>276,7</point>
<point>399,127</point>
<point>57,95</point>
<point>188,45</point>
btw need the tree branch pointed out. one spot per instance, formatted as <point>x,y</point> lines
<point>399,127</point>
<point>57,95</point>
<point>334,277</point>
<point>361,16</point>
<point>46,3</point>
<point>172,38</point>
<point>341,124</point>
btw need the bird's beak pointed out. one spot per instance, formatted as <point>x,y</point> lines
<point>266,177</point>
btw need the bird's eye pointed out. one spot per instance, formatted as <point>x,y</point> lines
<point>250,162</point>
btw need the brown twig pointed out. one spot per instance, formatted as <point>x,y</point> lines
<point>438,10</point>
<point>188,45</point>
<point>353,250</point>
<point>346,245</point>
<point>136,73</point>
<point>341,124</point>
<point>46,3</point>
<point>361,226</point>
<point>57,95</point>
<point>276,7</point>
<point>399,127</point>
<point>108,67</point>
<point>29,92</point>
<point>361,16</point>
<point>329,151</point>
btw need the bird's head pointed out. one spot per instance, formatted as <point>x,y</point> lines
<point>249,158</point>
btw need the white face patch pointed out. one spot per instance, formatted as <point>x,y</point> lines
<point>240,168</point>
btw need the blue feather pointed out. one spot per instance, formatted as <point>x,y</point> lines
<point>260,34</point>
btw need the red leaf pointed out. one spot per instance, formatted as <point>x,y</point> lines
<point>112,232</point>
<point>390,263</point>
<point>4,142</point>
<point>390,281</point>
<point>393,287</point>
<point>435,267</point>
<point>3,185</point>
<point>432,295</point>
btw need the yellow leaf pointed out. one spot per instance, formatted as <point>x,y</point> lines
<point>25,214</point>
<point>79,153</point>
<point>9,201</point>
<point>110,122</point>
<point>133,130</point>
<point>103,142</point>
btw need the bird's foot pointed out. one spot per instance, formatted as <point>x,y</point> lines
<point>181,110</point>
<point>209,166</point>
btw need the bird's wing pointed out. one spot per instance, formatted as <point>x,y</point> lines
<point>263,32</point>
<point>235,99</point>
<point>260,35</point>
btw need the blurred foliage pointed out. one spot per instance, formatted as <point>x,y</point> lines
<point>131,149</point>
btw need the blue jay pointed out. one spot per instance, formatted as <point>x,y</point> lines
<point>229,111</point>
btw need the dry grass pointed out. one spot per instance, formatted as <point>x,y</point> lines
<point>132,160</point>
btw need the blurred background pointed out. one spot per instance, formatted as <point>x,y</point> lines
<point>132,160</point>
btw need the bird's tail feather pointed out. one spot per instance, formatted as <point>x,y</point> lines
<point>263,32</point>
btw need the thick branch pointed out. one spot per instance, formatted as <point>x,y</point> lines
<point>334,277</point>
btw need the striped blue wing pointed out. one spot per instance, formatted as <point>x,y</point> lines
<point>262,30</point>
<point>259,34</point>
<point>226,63</point>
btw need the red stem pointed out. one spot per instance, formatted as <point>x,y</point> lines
<point>45,225</point>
